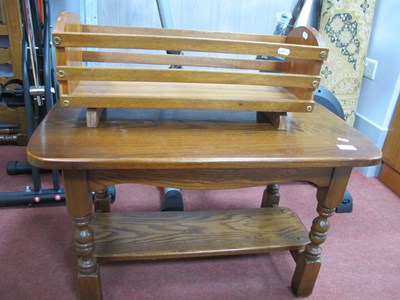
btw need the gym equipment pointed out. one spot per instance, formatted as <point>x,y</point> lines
<point>39,94</point>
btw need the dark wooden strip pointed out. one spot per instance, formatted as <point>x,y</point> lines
<point>206,179</point>
<point>3,29</point>
<point>5,56</point>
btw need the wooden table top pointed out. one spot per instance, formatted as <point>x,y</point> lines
<point>162,139</point>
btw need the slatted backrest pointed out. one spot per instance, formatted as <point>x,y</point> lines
<point>304,47</point>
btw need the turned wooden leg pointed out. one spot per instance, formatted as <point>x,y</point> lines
<point>102,200</point>
<point>88,270</point>
<point>309,262</point>
<point>79,204</point>
<point>271,196</point>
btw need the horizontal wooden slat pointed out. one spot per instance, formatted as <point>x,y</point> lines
<point>179,90</point>
<point>189,76</point>
<point>182,33</point>
<point>157,235</point>
<point>4,79</point>
<point>184,96</point>
<point>127,41</point>
<point>5,56</point>
<point>11,10</point>
<point>3,29</point>
<point>181,60</point>
<point>159,102</point>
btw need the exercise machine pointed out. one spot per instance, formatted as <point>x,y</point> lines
<point>39,93</point>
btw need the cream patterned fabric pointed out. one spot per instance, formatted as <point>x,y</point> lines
<point>346,27</point>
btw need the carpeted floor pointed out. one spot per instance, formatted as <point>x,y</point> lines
<point>361,257</point>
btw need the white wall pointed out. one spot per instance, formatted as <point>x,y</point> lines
<point>255,16</point>
<point>378,97</point>
<point>58,6</point>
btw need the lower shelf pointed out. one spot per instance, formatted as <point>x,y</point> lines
<point>160,235</point>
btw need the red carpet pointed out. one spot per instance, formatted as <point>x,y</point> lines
<point>361,257</point>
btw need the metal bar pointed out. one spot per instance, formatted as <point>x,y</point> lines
<point>31,198</point>
<point>29,110</point>
<point>29,31</point>
<point>47,65</point>
<point>164,10</point>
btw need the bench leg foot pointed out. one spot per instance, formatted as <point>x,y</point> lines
<point>309,262</point>
<point>89,286</point>
<point>271,196</point>
<point>102,200</point>
<point>88,269</point>
<point>305,275</point>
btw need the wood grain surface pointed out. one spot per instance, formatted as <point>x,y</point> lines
<point>172,95</point>
<point>155,235</point>
<point>182,43</point>
<point>170,139</point>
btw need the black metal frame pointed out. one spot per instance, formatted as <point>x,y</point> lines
<point>39,83</point>
<point>37,67</point>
